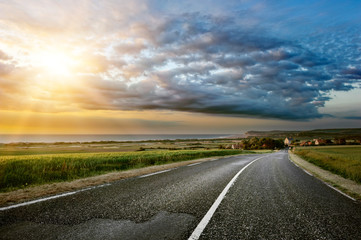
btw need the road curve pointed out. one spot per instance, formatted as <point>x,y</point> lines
<point>270,199</point>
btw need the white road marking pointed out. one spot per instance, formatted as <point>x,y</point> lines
<point>307,172</point>
<point>52,197</point>
<point>193,164</point>
<point>203,223</point>
<point>300,167</point>
<point>74,192</point>
<point>340,191</point>
<point>327,184</point>
<point>155,173</point>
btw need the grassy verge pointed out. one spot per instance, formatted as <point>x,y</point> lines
<point>22,171</point>
<point>342,160</point>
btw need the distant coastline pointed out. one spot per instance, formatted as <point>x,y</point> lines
<point>52,138</point>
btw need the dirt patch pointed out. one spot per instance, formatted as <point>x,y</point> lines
<point>345,185</point>
<point>30,193</point>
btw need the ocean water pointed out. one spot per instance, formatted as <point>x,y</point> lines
<point>51,138</point>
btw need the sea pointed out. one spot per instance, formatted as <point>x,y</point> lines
<point>52,138</point>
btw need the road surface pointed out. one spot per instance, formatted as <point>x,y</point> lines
<point>239,197</point>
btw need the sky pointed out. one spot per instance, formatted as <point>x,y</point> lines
<point>158,66</point>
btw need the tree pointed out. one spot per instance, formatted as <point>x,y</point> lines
<point>263,143</point>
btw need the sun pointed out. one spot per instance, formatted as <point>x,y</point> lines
<point>55,63</point>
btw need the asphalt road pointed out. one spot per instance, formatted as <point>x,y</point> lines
<point>270,199</point>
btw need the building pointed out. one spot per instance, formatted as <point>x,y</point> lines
<point>288,141</point>
<point>319,141</point>
<point>236,146</point>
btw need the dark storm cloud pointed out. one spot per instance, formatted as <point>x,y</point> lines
<point>200,63</point>
<point>352,73</point>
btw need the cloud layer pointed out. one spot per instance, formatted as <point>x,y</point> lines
<point>190,62</point>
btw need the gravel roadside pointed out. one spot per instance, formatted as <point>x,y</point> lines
<point>347,186</point>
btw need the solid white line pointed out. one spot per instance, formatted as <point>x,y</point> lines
<point>300,167</point>
<point>155,173</point>
<point>49,198</point>
<point>203,223</point>
<point>307,172</point>
<point>327,184</point>
<point>340,191</point>
<point>193,164</point>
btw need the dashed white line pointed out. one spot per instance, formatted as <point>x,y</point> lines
<point>74,192</point>
<point>155,173</point>
<point>52,197</point>
<point>203,223</point>
<point>193,164</point>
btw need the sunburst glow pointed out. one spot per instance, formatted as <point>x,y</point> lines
<point>55,62</point>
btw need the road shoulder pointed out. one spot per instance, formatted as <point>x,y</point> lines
<point>347,186</point>
<point>31,193</point>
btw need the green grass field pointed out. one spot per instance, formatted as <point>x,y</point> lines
<point>25,170</point>
<point>93,147</point>
<point>342,160</point>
